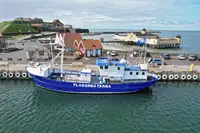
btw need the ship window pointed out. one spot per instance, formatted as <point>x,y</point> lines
<point>118,68</point>
<point>131,73</point>
<point>137,73</point>
<point>101,67</point>
<point>106,67</point>
<point>143,73</point>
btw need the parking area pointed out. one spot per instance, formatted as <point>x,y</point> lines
<point>21,57</point>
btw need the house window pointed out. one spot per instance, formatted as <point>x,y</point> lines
<point>137,73</point>
<point>143,73</point>
<point>101,67</point>
<point>106,67</point>
<point>118,68</point>
<point>131,73</point>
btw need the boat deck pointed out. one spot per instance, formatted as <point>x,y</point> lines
<point>94,79</point>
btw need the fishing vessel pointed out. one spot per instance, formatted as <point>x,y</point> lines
<point>115,76</point>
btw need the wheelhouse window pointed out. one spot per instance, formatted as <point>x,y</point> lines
<point>137,73</point>
<point>118,68</point>
<point>143,73</point>
<point>101,67</point>
<point>131,73</point>
<point>106,67</point>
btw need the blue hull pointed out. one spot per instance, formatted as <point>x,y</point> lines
<point>70,87</point>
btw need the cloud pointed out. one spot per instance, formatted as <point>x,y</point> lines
<point>108,14</point>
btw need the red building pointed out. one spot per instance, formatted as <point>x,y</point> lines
<point>93,48</point>
<point>88,48</point>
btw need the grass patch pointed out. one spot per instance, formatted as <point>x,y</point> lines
<point>18,29</point>
<point>3,24</point>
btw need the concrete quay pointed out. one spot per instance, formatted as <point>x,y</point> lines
<point>165,73</point>
<point>177,73</point>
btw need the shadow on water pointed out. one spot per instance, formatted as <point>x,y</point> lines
<point>46,96</point>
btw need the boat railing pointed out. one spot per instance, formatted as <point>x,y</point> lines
<point>67,72</point>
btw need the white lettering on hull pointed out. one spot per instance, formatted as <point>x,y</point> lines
<point>91,85</point>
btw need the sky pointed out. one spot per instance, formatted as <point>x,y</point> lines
<point>109,14</point>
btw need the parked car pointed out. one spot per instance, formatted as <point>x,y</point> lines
<point>192,57</point>
<point>156,61</point>
<point>181,57</point>
<point>165,56</point>
<point>198,58</point>
<point>113,53</point>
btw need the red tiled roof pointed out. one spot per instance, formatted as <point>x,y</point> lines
<point>55,20</point>
<point>91,44</point>
<point>70,38</point>
<point>37,25</point>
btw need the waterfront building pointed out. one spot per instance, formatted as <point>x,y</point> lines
<point>57,23</point>
<point>153,39</point>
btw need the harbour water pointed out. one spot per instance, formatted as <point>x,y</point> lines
<point>165,108</point>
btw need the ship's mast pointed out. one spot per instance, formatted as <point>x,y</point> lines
<point>52,54</point>
<point>145,50</point>
<point>62,54</point>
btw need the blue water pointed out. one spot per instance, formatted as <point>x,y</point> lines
<point>191,39</point>
<point>165,108</point>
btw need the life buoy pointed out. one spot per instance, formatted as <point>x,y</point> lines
<point>195,77</point>
<point>158,77</point>
<point>24,75</point>
<point>176,76</point>
<point>17,74</point>
<point>183,77</point>
<point>10,74</point>
<point>171,76</point>
<point>5,74</point>
<point>164,76</point>
<point>189,77</point>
